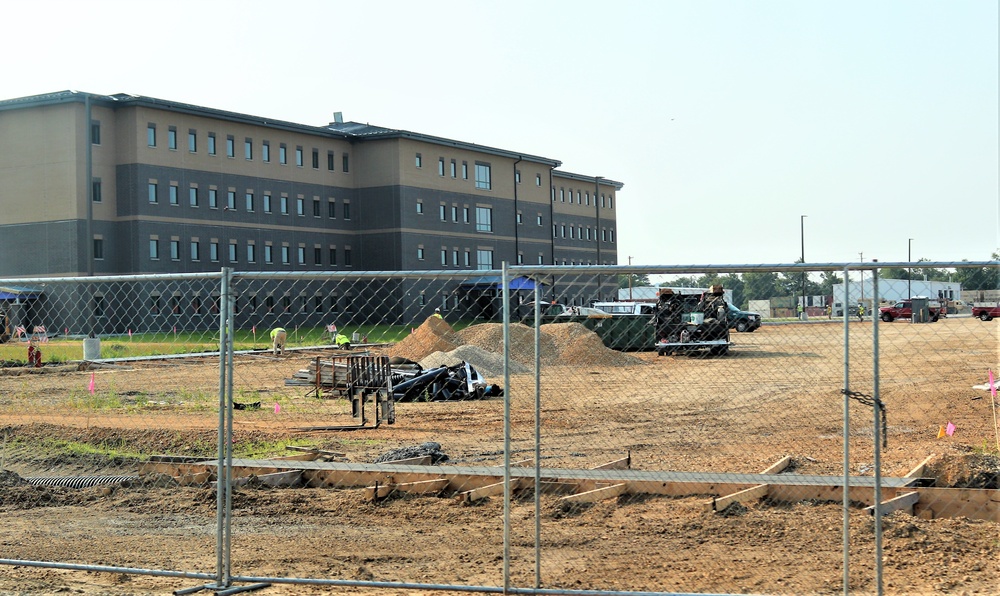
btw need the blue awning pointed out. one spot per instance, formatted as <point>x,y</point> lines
<point>19,293</point>
<point>493,282</point>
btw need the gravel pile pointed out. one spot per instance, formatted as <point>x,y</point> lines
<point>430,448</point>
<point>434,335</point>
<point>489,364</point>
<point>579,345</point>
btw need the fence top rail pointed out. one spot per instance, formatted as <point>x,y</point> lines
<point>733,268</point>
<point>21,281</point>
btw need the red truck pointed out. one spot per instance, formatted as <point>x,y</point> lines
<point>986,310</point>
<point>904,310</point>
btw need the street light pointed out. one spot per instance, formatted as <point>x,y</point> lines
<point>909,270</point>
<point>802,232</point>
<point>630,281</point>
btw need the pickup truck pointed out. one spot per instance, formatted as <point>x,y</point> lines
<point>743,321</point>
<point>985,311</point>
<point>904,310</point>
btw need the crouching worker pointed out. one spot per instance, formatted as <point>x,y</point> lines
<point>278,337</point>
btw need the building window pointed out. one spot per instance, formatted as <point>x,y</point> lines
<point>329,161</point>
<point>347,210</point>
<point>285,255</point>
<point>248,149</point>
<point>251,253</point>
<point>230,146</point>
<point>265,151</point>
<point>468,258</point>
<point>420,207</point>
<point>195,251</point>
<point>562,195</point>
<point>267,203</point>
<point>172,138</point>
<point>298,156</point>
<point>454,213</point>
<point>444,257</point>
<point>213,198</point>
<point>538,220</point>
<point>520,259</point>
<point>302,255</point>
<point>231,200</point>
<point>174,195</point>
<point>541,260</point>
<point>347,257</point>
<point>333,256</point>
<point>443,212</point>
<point>331,209</point>
<point>98,249</point>
<point>345,162</point>
<point>317,210</point>
<point>440,166</point>
<point>538,179</point>
<point>483,176</point>
<point>484,219</point>
<point>465,170</point>
<point>282,154</point>
<point>152,192</point>
<point>454,169</point>
<point>249,198</point>
<point>317,303</point>
<point>196,305</point>
<point>154,305</point>
<point>268,256</point>
<point>151,135</point>
<point>95,132</point>
<point>517,176</point>
<point>99,306</point>
<point>315,156</point>
<point>465,214</point>
<point>300,206</point>
<point>233,247</point>
<point>175,250</point>
<point>213,251</point>
<point>193,196</point>
<point>154,249</point>
<point>484,259</point>
<point>284,205</point>
<point>520,219</point>
<point>454,258</point>
<point>211,143</point>
<point>420,253</point>
<point>420,161</point>
<point>317,256</point>
<point>175,305</point>
<point>96,191</point>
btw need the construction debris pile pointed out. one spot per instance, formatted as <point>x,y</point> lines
<point>435,343</point>
<point>429,449</point>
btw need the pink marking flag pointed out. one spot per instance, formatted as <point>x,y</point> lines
<point>950,429</point>
<point>993,387</point>
<point>130,334</point>
<point>277,408</point>
<point>91,386</point>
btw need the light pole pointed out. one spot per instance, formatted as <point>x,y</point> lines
<point>630,281</point>
<point>909,270</point>
<point>802,233</point>
<point>861,257</point>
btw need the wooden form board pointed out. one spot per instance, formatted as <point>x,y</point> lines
<point>930,503</point>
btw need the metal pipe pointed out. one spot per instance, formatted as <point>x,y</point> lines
<point>847,438</point>
<point>227,309</point>
<point>877,412</point>
<point>505,278</point>
<point>221,470</point>
<point>538,438</point>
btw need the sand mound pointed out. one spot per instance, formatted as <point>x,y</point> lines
<point>435,343</point>
<point>434,335</point>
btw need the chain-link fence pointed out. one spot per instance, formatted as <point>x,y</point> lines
<point>544,429</point>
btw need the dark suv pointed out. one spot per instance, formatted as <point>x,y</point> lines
<point>742,320</point>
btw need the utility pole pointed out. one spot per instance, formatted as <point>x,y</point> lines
<point>802,232</point>
<point>630,281</point>
<point>909,270</point>
<point>861,257</point>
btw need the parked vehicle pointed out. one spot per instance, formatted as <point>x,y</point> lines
<point>627,308</point>
<point>904,310</point>
<point>985,311</point>
<point>743,321</point>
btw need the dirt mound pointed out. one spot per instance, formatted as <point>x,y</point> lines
<point>434,335</point>
<point>579,345</point>
<point>968,470</point>
<point>489,336</point>
<point>8,479</point>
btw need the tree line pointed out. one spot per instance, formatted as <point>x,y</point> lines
<point>764,285</point>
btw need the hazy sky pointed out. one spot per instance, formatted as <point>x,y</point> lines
<point>725,120</point>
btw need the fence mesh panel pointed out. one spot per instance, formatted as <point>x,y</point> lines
<point>679,448</point>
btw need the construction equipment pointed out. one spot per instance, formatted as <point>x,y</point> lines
<point>358,378</point>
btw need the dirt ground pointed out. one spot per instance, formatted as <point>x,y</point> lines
<point>777,394</point>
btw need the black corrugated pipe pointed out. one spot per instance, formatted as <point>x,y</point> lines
<point>79,481</point>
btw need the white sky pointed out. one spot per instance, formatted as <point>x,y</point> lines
<point>876,120</point>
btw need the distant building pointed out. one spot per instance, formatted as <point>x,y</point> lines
<point>125,184</point>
